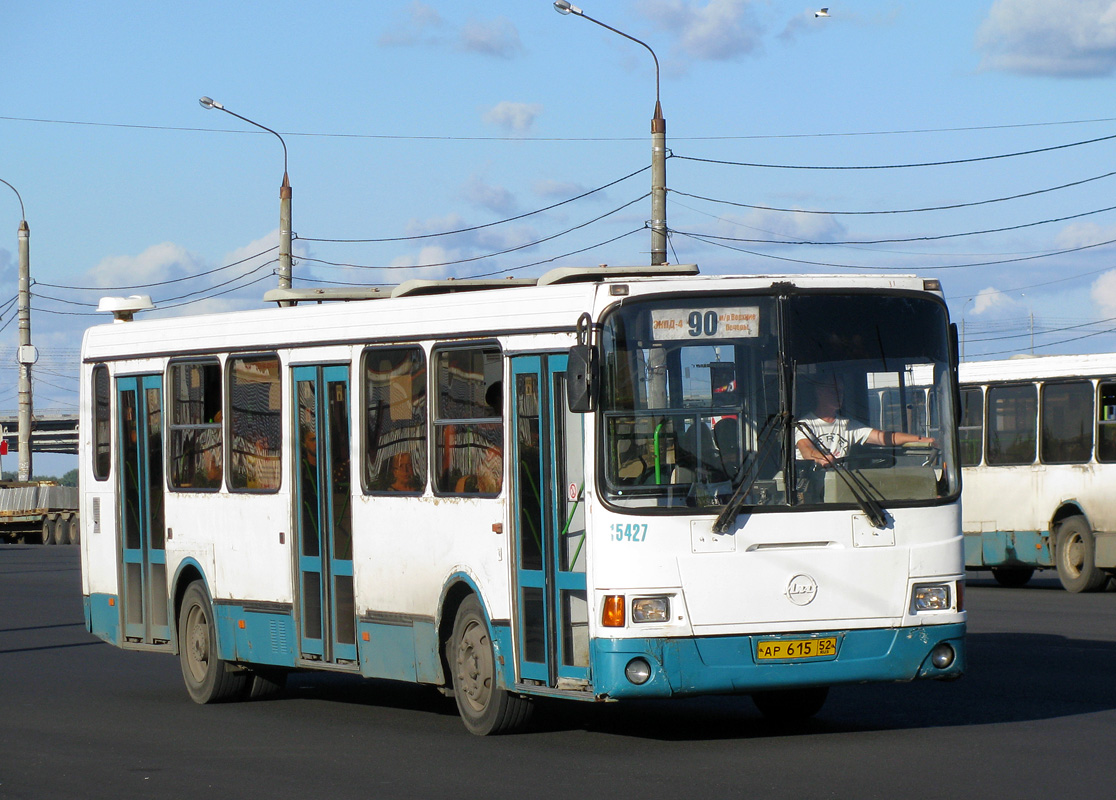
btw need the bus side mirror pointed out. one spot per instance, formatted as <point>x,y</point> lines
<point>582,372</point>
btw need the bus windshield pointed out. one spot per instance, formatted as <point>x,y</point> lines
<point>805,400</point>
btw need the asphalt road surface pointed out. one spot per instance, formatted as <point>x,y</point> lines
<point>1035,717</point>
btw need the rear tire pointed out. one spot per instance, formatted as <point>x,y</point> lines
<point>1076,557</point>
<point>265,684</point>
<point>1012,577</point>
<point>790,706</point>
<point>485,707</point>
<point>208,679</point>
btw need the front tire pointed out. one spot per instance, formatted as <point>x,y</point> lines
<point>208,679</point>
<point>485,707</point>
<point>1076,555</point>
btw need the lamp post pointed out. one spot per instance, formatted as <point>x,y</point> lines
<point>284,197</point>
<point>658,145</point>
<point>27,355</point>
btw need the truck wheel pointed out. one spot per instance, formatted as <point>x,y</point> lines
<point>73,527</point>
<point>208,678</point>
<point>60,534</point>
<point>48,531</point>
<point>1076,556</point>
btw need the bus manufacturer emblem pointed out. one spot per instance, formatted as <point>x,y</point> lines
<point>802,590</point>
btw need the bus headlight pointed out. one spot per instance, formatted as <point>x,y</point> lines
<point>931,597</point>
<point>651,609</point>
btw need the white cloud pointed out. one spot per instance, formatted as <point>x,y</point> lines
<point>1071,38</point>
<point>498,37</point>
<point>796,226</point>
<point>517,117</point>
<point>418,26</point>
<point>558,189</point>
<point>494,198</point>
<point>1103,293</point>
<point>714,31</point>
<point>991,299</point>
<point>160,262</point>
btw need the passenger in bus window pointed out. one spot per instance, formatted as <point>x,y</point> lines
<point>836,433</point>
<point>403,478</point>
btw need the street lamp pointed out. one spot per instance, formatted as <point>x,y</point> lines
<point>284,198</point>
<point>658,146</point>
<point>27,354</point>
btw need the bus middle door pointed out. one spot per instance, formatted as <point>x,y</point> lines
<point>551,613</point>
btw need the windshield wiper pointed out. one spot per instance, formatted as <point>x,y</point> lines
<point>861,491</point>
<point>732,508</point>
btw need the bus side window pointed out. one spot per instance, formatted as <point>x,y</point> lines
<point>395,420</point>
<point>972,426</point>
<point>195,429</point>
<point>468,422</point>
<point>102,428</point>
<point>1067,422</point>
<point>1012,424</point>
<point>1106,422</point>
<point>255,429</point>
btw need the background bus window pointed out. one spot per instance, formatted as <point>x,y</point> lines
<point>1012,420</point>
<point>1067,422</point>
<point>255,432</point>
<point>1106,419</point>
<point>195,429</point>
<point>468,423</point>
<point>395,420</point>
<point>972,426</point>
<point>102,429</point>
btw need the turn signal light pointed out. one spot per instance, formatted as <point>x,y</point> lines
<point>613,614</point>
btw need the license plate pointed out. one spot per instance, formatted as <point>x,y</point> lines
<point>793,649</point>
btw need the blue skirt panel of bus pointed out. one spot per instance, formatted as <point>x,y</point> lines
<point>102,617</point>
<point>727,664</point>
<point>1008,549</point>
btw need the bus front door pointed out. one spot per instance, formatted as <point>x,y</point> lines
<point>551,613</point>
<point>323,515</point>
<point>144,601</point>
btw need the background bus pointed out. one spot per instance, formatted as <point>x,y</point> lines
<point>1038,447</point>
<point>582,486</point>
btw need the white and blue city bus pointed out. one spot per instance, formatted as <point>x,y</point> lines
<point>582,486</point>
<point>1038,452</point>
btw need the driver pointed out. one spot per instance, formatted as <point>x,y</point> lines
<point>837,433</point>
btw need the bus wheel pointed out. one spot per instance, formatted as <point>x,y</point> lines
<point>265,684</point>
<point>208,678</point>
<point>790,706</point>
<point>1077,568</point>
<point>485,707</point>
<point>1012,577</point>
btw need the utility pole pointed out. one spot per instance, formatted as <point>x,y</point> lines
<point>27,354</point>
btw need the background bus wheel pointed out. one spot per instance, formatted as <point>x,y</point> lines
<point>1077,568</point>
<point>208,678</point>
<point>1012,577</point>
<point>789,706</point>
<point>485,708</point>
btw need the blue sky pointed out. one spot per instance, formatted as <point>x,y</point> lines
<point>406,119</point>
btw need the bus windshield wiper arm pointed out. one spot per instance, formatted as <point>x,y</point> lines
<point>860,490</point>
<point>736,502</point>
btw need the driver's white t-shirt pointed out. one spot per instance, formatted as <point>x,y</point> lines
<point>838,436</point>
